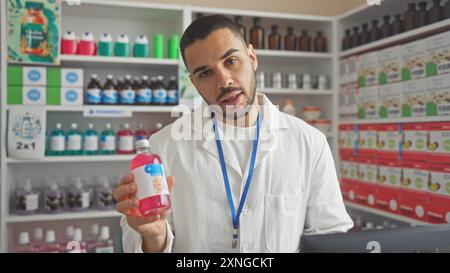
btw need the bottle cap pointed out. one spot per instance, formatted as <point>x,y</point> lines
<point>28,187</point>
<point>74,126</point>
<point>122,38</point>
<point>159,125</point>
<point>110,76</point>
<point>104,235</point>
<point>95,230</point>
<point>24,238</point>
<point>87,36</point>
<point>69,232</point>
<point>38,234</point>
<point>50,236</point>
<point>69,35</point>
<point>126,126</point>
<point>142,143</point>
<point>78,235</point>
<point>106,37</point>
<point>108,126</point>
<point>58,126</point>
<point>91,126</point>
<point>141,39</point>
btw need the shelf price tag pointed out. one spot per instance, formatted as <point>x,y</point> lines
<point>107,112</point>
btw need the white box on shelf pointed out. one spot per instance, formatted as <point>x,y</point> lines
<point>367,101</point>
<point>34,95</point>
<point>439,89</point>
<point>415,98</point>
<point>33,75</point>
<point>439,54</point>
<point>72,77</point>
<point>414,57</point>
<point>26,132</point>
<point>71,96</point>
<point>389,65</point>
<point>389,100</point>
<point>367,69</point>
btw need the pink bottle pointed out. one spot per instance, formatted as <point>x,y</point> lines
<point>150,178</point>
<point>125,138</point>
<point>87,45</point>
<point>69,43</point>
<point>140,132</point>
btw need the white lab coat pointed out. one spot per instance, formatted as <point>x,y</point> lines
<point>294,190</point>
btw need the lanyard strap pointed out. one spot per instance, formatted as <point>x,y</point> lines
<point>235,216</point>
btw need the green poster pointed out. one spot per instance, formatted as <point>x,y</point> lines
<point>33,31</point>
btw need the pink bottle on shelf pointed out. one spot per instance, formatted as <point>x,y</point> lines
<point>125,138</point>
<point>140,132</point>
<point>150,179</point>
<point>69,43</point>
<point>87,45</point>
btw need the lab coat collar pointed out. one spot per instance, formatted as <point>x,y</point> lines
<point>272,124</point>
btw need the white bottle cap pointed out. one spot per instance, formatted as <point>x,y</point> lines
<point>70,232</point>
<point>24,238</point>
<point>50,236</point>
<point>128,77</point>
<point>69,35</point>
<point>104,181</point>
<point>54,186</point>
<point>94,76</point>
<point>106,37</point>
<point>110,76</point>
<point>172,78</point>
<point>160,77</point>
<point>74,126</point>
<point>78,183</point>
<point>122,38</point>
<point>104,235</point>
<point>141,39</point>
<point>126,126</point>
<point>58,126</point>
<point>159,125</point>
<point>78,235</point>
<point>87,36</point>
<point>38,234</point>
<point>142,143</point>
<point>91,126</point>
<point>144,77</point>
<point>95,230</point>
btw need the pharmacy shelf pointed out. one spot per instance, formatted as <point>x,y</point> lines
<point>62,216</point>
<point>400,38</point>
<point>81,158</point>
<point>397,120</point>
<point>82,108</point>
<point>275,91</point>
<point>385,214</point>
<point>292,54</point>
<point>95,61</point>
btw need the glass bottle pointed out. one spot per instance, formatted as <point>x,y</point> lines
<point>290,40</point>
<point>355,37</point>
<point>238,20</point>
<point>347,40</point>
<point>386,29</point>
<point>435,13</point>
<point>304,41</point>
<point>422,14</point>
<point>397,24</point>
<point>320,42</point>
<point>257,34</point>
<point>374,31</point>
<point>275,38</point>
<point>365,34</point>
<point>410,17</point>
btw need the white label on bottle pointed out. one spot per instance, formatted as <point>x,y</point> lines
<point>126,143</point>
<point>74,143</point>
<point>32,202</point>
<point>57,143</point>
<point>91,143</point>
<point>105,249</point>
<point>108,143</point>
<point>150,180</point>
<point>85,200</point>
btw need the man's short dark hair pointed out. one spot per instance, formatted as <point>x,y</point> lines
<point>203,26</point>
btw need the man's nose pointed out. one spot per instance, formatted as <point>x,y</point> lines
<point>224,79</point>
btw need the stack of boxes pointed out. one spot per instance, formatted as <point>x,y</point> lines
<point>30,85</point>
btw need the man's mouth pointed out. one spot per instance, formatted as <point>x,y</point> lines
<point>233,98</point>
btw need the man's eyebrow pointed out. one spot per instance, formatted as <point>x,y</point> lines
<point>226,54</point>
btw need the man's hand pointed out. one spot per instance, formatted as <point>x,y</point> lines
<point>152,228</point>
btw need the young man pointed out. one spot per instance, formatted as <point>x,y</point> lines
<point>257,191</point>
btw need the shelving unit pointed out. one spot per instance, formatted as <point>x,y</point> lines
<point>124,62</point>
<point>397,120</point>
<point>69,159</point>
<point>95,214</point>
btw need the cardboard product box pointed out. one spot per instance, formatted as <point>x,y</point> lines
<point>347,101</point>
<point>368,69</point>
<point>414,142</point>
<point>388,193</point>
<point>347,140</point>
<point>26,75</point>
<point>367,178</point>
<point>438,208</point>
<point>389,100</point>
<point>347,178</point>
<point>439,90</point>
<point>414,190</point>
<point>65,77</point>
<point>367,102</point>
<point>348,190</point>
<point>389,65</point>
<point>343,72</point>
<point>438,61</point>
<point>352,69</point>
<point>415,97</point>
<point>367,140</point>
<point>439,142</point>
<point>414,56</point>
<point>26,95</point>
<point>72,96</point>
<point>389,141</point>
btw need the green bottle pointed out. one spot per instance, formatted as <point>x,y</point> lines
<point>57,141</point>
<point>173,48</point>
<point>108,141</point>
<point>141,48</point>
<point>74,140</point>
<point>90,141</point>
<point>105,45</point>
<point>158,46</point>
<point>121,47</point>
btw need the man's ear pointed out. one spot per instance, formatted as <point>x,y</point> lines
<point>252,54</point>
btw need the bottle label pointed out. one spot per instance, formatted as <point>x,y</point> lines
<point>74,142</point>
<point>126,143</point>
<point>159,95</point>
<point>127,96</point>
<point>90,143</point>
<point>108,143</point>
<point>85,200</point>
<point>93,95</point>
<point>32,202</point>
<point>144,96</point>
<point>172,96</point>
<point>110,96</point>
<point>34,35</point>
<point>57,143</point>
<point>104,249</point>
<point>150,181</point>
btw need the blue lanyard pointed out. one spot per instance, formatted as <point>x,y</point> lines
<point>235,216</point>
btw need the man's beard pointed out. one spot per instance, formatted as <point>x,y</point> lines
<point>232,112</point>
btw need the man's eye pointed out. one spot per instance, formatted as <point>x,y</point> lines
<point>232,61</point>
<point>204,74</point>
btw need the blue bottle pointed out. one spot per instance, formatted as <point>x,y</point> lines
<point>57,145</point>
<point>74,140</point>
